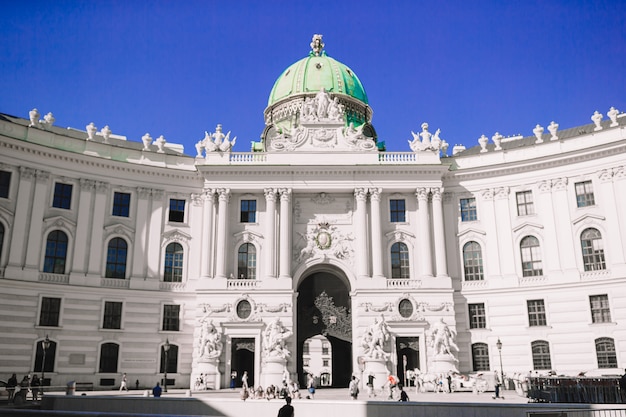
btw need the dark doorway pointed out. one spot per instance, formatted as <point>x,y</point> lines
<point>243,359</point>
<point>324,308</point>
<point>407,349</point>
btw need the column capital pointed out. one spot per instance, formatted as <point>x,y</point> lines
<point>223,194</point>
<point>375,193</point>
<point>102,186</point>
<point>86,185</point>
<point>545,186</point>
<point>559,184</point>
<point>285,194</point>
<point>422,193</point>
<point>437,193</point>
<point>502,193</point>
<point>144,192</point>
<point>360,194</point>
<point>27,173</point>
<point>42,176</point>
<point>270,194</point>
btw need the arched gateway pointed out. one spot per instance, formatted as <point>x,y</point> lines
<point>324,308</point>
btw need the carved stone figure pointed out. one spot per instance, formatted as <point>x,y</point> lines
<point>48,119</point>
<point>482,141</point>
<point>91,131</point>
<point>597,119</point>
<point>497,139</point>
<point>209,344</point>
<point>323,100</point>
<point>106,133</point>
<point>274,339</point>
<point>552,128</point>
<point>374,338</point>
<point>33,115</point>
<point>335,110</point>
<point>147,141</point>
<point>538,132</point>
<point>317,45</point>
<point>425,140</point>
<point>442,339</point>
<point>217,141</point>
<point>613,112</point>
<point>160,144</point>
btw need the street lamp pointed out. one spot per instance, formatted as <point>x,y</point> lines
<point>499,346</point>
<point>166,348</point>
<point>45,345</point>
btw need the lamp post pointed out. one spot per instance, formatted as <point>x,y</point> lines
<point>45,344</point>
<point>166,349</point>
<point>499,346</point>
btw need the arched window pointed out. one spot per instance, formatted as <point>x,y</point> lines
<point>480,356</point>
<point>605,352</point>
<point>172,359</point>
<point>531,257</point>
<point>400,261</point>
<point>173,263</point>
<point>117,253</point>
<point>246,261</point>
<point>473,262</point>
<point>541,354</point>
<point>593,250</point>
<point>109,353</point>
<point>56,253</point>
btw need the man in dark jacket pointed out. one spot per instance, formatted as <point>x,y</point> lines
<point>287,409</point>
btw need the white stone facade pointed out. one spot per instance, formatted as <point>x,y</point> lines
<point>112,248</point>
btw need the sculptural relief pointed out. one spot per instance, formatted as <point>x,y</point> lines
<point>209,343</point>
<point>215,142</point>
<point>426,141</point>
<point>442,339</point>
<point>374,339</point>
<point>274,340</point>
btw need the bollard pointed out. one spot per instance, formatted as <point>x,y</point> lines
<point>188,393</point>
<point>146,393</point>
<point>71,388</point>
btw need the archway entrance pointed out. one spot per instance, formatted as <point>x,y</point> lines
<point>242,355</point>
<point>324,309</point>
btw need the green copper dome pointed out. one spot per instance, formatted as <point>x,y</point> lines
<point>317,71</point>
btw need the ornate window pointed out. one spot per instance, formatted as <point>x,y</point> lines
<point>248,211</point>
<point>171,317</point>
<point>5,183</point>
<point>468,210</point>
<point>172,359</point>
<point>477,316</point>
<point>244,309</point>
<point>117,253</point>
<point>480,357</point>
<point>525,203</point>
<point>397,211</point>
<point>605,352</point>
<point>112,315</point>
<point>56,253</point>
<point>177,211</point>
<point>51,353</point>
<point>62,196</point>
<point>50,312</point>
<point>531,257</point>
<point>593,250</point>
<point>536,313</point>
<point>473,262</point>
<point>405,308</point>
<point>109,354</point>
<point>173,271</point>
<point>584,194</point>
<point>121,204</point>
<point>541,355</point>
<point>400,261</point>
<point>600,311</point>
<point>246,261</point>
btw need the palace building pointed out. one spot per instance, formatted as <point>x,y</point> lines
<point>132,257</point>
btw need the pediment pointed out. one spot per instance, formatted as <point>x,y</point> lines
<point>175,236</point>
<point>588,216</point>
<point>527,225</point>
<point>119,229</point>
<point>59,221</point>
<point>248,236</point>
<point>471,231</point>
<point>399,235</point>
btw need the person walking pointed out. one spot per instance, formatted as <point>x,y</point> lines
<point>354,387</point>
<point>244,380</point>
<point>287,409</point>
<point>496,383</point>
<point>370,386</point>
<point>124,383</point>
<point>310,385</point>
<point>34,386</point>
<point>403,395</point>
<point>11,384</point>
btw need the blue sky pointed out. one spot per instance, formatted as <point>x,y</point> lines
<point>177,68</point>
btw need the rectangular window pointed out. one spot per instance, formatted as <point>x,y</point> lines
<point>171,317</point>
<point>397,211</point>
<point>325,349</point>
<point>536,313</point>
<point>5,184</point>
<point>50,311</point>
<point>112,315</point>
<point>248,211</point>
<point>121,204</point>
<point>477,317</point>
<point>305,348</point>
<point>325,362</point>
<point>468,209</point>
<point>584,194</point>
<point>62,196</point>
<point>525,203</point>
<point>177,210</point>
<point>600,311</point>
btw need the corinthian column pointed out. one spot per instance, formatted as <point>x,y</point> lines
<point>270,245</point>
<point>285,233</point>
<point>439,234</point>
<point>361,231</point>
<point>222,230</point>
<point>207,232</point>
<point>425,253</point>
<point>377,253</point>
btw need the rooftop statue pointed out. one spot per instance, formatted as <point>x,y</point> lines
<point>426,141</point>
<point>552,128</point>
<point>613,112</point>
<point>317,45</point>
<point>33,115</point>
<point>597,119</point>
<point>91,131</point>
<point>217,141</point>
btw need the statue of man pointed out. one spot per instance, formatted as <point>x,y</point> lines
<point>443,338</point>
